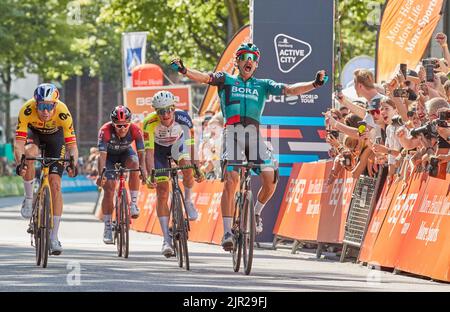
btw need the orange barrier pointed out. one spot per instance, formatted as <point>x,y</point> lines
<point>312,210</point>
<point>387,195</point>
<point>426,248</point>
<point>410,229</point>
<point>334,208</point>
<point>397,221</point>
<point>206,197</point>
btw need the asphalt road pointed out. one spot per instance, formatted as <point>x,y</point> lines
<point>88,265</point>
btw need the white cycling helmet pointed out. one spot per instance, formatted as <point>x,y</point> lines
<point>163,99</point>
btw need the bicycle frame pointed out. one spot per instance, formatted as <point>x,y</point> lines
<point>44,181</point>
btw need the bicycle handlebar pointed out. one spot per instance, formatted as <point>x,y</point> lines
<point>47,161</point>
<point>120,170</point>
<point>170,169</point>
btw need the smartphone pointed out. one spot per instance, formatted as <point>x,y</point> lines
<point>403,93</point>
<point>378,140</point>
<point>429,69</point>
<point>403,69</point>
<point>333,133</point>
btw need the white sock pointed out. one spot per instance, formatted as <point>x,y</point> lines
<point>187,194</point>
<point>54,234</point>
<point>164,222</point>
<point>227,224</point>
<point>28,186</point>
<point>259,207</point>
<point>107,219</point>
<point>134,195</point>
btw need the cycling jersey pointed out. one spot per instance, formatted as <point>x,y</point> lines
<point>243,101</point>
<point>29,119</point>
<point>156,132</point>
<point>109,141</point>
<point>168,141</point>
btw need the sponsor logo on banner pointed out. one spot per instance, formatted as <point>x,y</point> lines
<point>290,52</point>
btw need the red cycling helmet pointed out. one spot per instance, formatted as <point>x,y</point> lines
<point>120,114</point>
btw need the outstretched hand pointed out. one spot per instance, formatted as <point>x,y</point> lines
<point>177,65</point>
<point>321,78</point>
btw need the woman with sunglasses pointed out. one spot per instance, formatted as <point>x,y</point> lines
<point>115,140</point>
<point>242,100</point>
<point>45,120</point>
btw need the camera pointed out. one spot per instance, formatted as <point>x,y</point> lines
<point>433,168</point>
<point>399,92</point>
<point>397,121</point>
<point>333,133</point>
<point>445,116</point>
<point>429,131</point>
<point>431,61</point>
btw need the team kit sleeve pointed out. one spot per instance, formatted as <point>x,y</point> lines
<point>274,88</point>
<point>217,79</point>
<point>66,122</point>
<point>137,137</point>
<point>185,120</point>
<point>102,142</point>
<point>22,123</point>
<point>149,125</point>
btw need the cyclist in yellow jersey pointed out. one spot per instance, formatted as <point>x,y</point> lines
<point>44,120</point>
<point>167,132</point>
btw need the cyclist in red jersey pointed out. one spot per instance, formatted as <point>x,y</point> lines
<point>114,143</point>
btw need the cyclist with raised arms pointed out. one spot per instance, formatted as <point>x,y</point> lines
<point>169,132</point>
<point>114,144</point>
<point>45,120</point>
<point>242,100</point>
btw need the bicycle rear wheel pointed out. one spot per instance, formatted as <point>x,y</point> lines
<point>249,232</point>
<point>125,225</point>
<point>237,232</point>
<point>117,227</point>
<point>45,225</point>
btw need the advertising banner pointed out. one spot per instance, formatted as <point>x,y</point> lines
<point>133,53</point>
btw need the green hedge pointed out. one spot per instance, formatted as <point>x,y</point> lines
<point>11,186</point>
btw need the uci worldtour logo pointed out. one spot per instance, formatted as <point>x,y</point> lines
<point>290,52</point>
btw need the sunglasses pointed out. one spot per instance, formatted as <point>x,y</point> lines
<point>42,106</point>
<point>163,111</point>
<point>121,126</point>
<point>247,56</point>
<point>374,111</point>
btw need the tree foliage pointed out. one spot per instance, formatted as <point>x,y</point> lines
<point>357,26</point>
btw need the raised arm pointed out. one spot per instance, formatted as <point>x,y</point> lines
<point>177,64</point>
<point>304,87</point>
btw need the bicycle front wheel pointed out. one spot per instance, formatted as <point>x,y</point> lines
<point>180,231</point>
<point>36,230</point>
<point>237,230</point>
<point>117,227</point>
<point>45,225</point>
<point>125,225</point>
<point>249,232</point>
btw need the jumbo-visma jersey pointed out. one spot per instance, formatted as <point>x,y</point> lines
<point>29,119</point>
